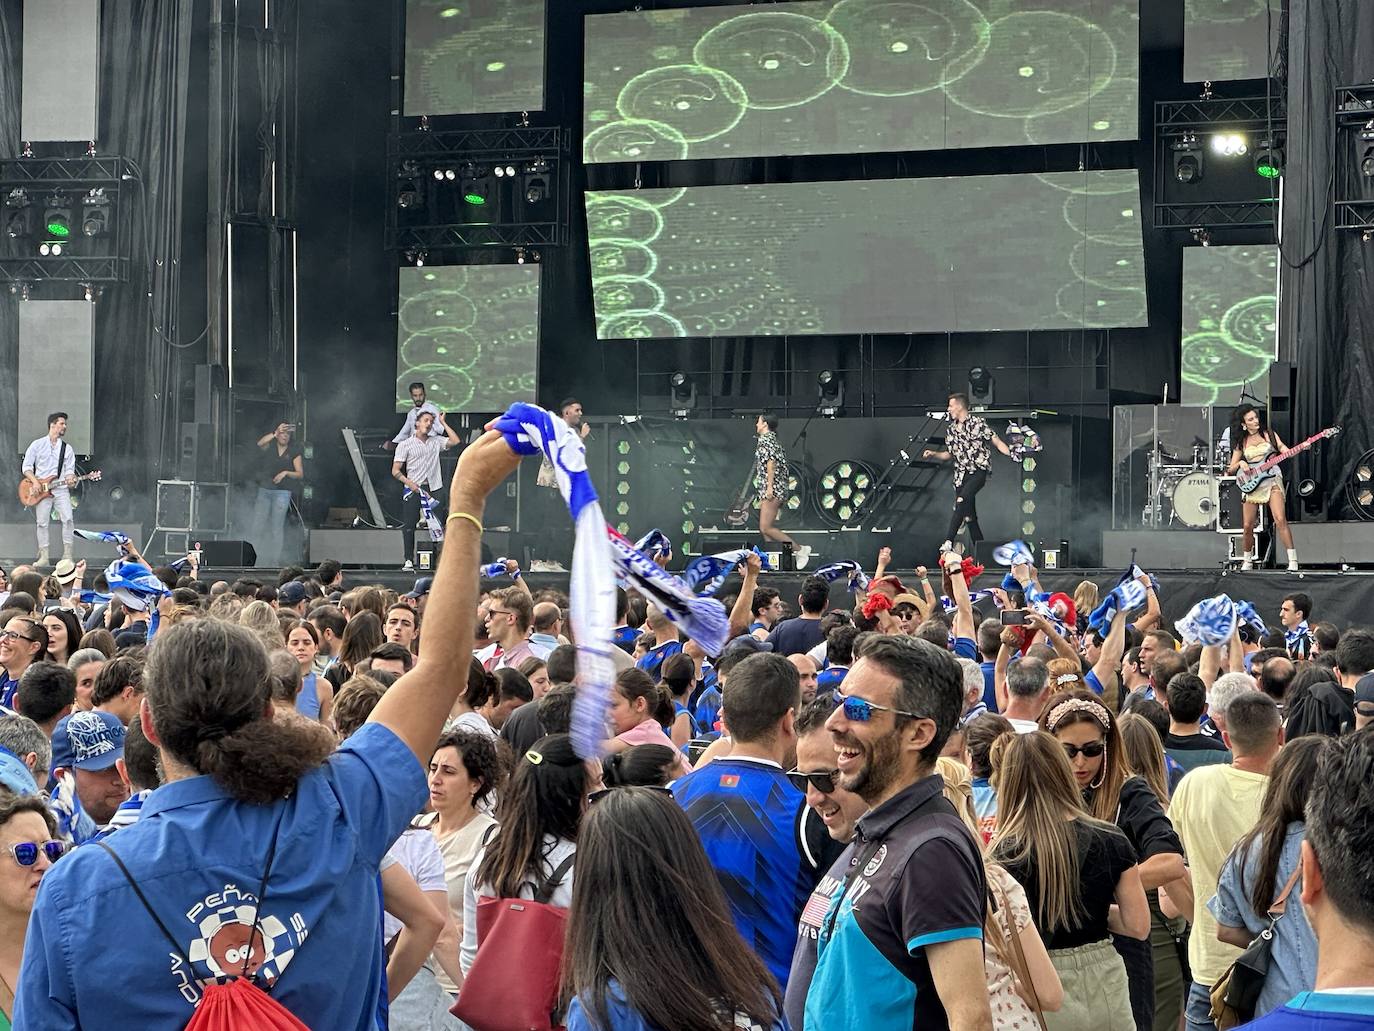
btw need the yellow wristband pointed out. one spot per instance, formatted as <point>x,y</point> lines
<point>464,515</point>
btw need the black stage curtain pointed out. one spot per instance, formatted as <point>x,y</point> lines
<point>145,48</point>
<point>1328,288</point>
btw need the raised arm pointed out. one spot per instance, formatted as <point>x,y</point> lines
<point>449,431</point>
<point>742,615</point>
<point>1113,648</point>
<point>1151,616</point>
<point>963,606</point>
<point>415,707</point>
<point>1062,648</point>
<point>999,667</point>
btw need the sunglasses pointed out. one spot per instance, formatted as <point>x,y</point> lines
<point>600,793</point>
<point>1091,750</point>
<point>14,635</point>
<point>26,852</point>
<point>861,710</point>
<point>822,780</point>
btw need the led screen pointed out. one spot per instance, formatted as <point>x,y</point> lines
<point>1044,251</point>
<point>470,333</point>
<point>1230,321</point>
<point>1227,39</point>
<point>848,76</point>
<point>467,57</point>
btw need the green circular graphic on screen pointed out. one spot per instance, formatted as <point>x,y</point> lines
<point>613,295</point>
<point>781,59</point>
<point>1210,360</point>
<point>1091,184</point>
<point>1224,11</point>
<point>620,217</point>
<point>1251,326</point>
<point>622,258</point>
<point>1099,308</point>
<point>448,388</point>
<point>638,325</point>
<point>1037,63</point>
<point>634,139</point>
<point>444,347</point>
<point>1098,118</point>
<point>1103,217</point>
<point>901,47</point>
<point>437,309</point>
<point>1115,266</point>
<point>700,103</point>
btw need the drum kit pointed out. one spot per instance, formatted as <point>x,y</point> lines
<point>1188,490</point>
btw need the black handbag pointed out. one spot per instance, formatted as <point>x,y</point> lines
<point>1236,993</point>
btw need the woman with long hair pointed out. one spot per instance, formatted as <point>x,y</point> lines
<point>642,766</point>
<point>770,483</point>
<point>1253,441</point>
<point>361,637</point>
<point>1014,1004</point>
<point>536,671</point>
<point>464,772</point>
<point>261,618</point>
<point>540,811</point>
<point>638,708</point>
<point>264,805</point>
<point>481,692</point>
<point>64,634</point>
<point>1259,868</point>
<point>1087,731</point>
<point>1080,878</point>
<point>650,939</point>
<point>316,697</point>
<point>1144,754</point>
<point>28,850</point>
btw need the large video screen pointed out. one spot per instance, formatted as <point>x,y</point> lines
<point>851,76</point>
<point>1045,251</point>
<point>1228,39</point>
<point>1230,321</point>
<point>472,57</point>
<point>470,333</point>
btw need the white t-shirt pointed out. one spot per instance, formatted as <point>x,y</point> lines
<point>417,853</point>
<point>459,849</point>
<point>476,722</point>
<point>555,851</point>
<point>419,459</point>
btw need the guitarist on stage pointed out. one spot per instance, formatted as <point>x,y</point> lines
<point>51,462</point>
<point>1254,442</point>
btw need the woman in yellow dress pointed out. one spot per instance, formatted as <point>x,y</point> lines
<point>1252,443</point>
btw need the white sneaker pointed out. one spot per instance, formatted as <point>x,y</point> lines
<point>1247,562</point>
<point>801,555</point>
<point>407,566</point>
<point>1292,560</point>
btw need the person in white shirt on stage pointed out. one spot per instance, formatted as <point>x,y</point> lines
<point>51,461</point>
<point>417,467</point>
<point>421,406</point>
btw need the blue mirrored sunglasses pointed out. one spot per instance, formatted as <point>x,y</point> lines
<point>861,710</point>
<point>26,852</point>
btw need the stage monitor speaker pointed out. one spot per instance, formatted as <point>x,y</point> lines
<point>196,451</point>
<point>60,87</point>
<point>55,371</point>
<point>227,553</point>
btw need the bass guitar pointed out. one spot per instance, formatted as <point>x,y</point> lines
<point>1256,475</point>
<point>31,491</point>
<point>738,513</point>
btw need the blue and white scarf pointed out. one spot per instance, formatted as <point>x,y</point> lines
<point>703,619</point>
<point>858,580</point>
<point>1136,571</point>
<point>119,540</point>
<point>1013,553</point>
<point>427,506</point>
<point>1298,640</point>
<point>1210,621</point>
<point>530,430</point>
<point>706,573</point>
<point>655,544</point>
<point>137,588</point>
<point>949,604</point>
<point>1246,613</point>
<point>1127,595</point>
<point>498,568</point>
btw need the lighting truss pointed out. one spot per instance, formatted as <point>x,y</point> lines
<point>1354,196</point>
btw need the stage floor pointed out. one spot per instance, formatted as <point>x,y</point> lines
<point>1343,598</point>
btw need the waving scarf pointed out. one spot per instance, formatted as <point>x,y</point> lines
<point>1134,572</point>
<point>705,574</point>
<point>427,506</point>
<point>703,619</point>
<point>1210,621</point>
<point>119,540</point>
<point>498,568</point>
<point>1246,613</point>
<point>137,588</point>
<point>1013,553</point>
<point>858,580</point>
<point>1126,595</point>
<point>655,544</point>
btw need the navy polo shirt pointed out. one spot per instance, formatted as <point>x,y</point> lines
<point>921,884</point>
<point>651,662</point>
<point>95,958</point>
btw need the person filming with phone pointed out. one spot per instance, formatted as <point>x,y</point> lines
<point>279,477</point>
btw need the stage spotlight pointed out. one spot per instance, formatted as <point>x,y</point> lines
<point>1310,491</point>
<point>1201,236</point>
<point>830,387</point>
<point>499,171</point>
<point>116,493</point>
<point>1229,144</point>
<point>536,189</point>
<point>1367,146</point>
<point>684,394</point>
<point>843,490</point>
<point>95,214</point>
<point>1359,489</point>
<point>979,386</point>
<point>57,218</point>
<point>18,215</point>
<point>1187,160</point>
<point>50,249</point>
<point>410,195</point>
<point>1269,160</point>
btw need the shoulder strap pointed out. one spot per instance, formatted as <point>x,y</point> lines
<point>1281,903</point>
<point>1015,956</point>
<point>545,891</point>
<point>61,458</point>
<point>487,834</point>
<point>147,905</point>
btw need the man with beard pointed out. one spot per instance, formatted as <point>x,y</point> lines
<point>911,954</point>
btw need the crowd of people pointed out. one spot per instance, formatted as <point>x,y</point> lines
<point>367,811</point>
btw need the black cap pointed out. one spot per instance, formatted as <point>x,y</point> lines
<point>421,587</point>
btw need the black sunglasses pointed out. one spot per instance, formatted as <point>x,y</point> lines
<point>1091,750</point>
<point>600,793</point>
<point>822,780</point>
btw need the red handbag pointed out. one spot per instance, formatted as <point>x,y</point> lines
<point>524,935</point>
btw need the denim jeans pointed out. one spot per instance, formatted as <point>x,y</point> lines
<point>1198,1015</point>
<point>269,524</point>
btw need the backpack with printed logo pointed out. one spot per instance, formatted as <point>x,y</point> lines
<point>238,1004</point>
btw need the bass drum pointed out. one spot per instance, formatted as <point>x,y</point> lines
<point>1195,501</point>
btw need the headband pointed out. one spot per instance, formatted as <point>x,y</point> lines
<point>1093,709</point>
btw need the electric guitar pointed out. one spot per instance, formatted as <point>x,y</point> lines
<point>1256,476</point>
<point>738,513</point>
<point>32,491</point>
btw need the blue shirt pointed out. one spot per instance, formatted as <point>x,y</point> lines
<point>1319,1011</point>
<point>1293,961</point>
<point>625,637</point>
<point>620,1016</point>
<point>651,662</point>
<point>745,812</point>
<point>308,700</point>
<point>989,685</point>
<point>830,678</point>
<point>7,688</point>
<point>198,855</point>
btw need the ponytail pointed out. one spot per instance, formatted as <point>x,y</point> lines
<point>262,761</point>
